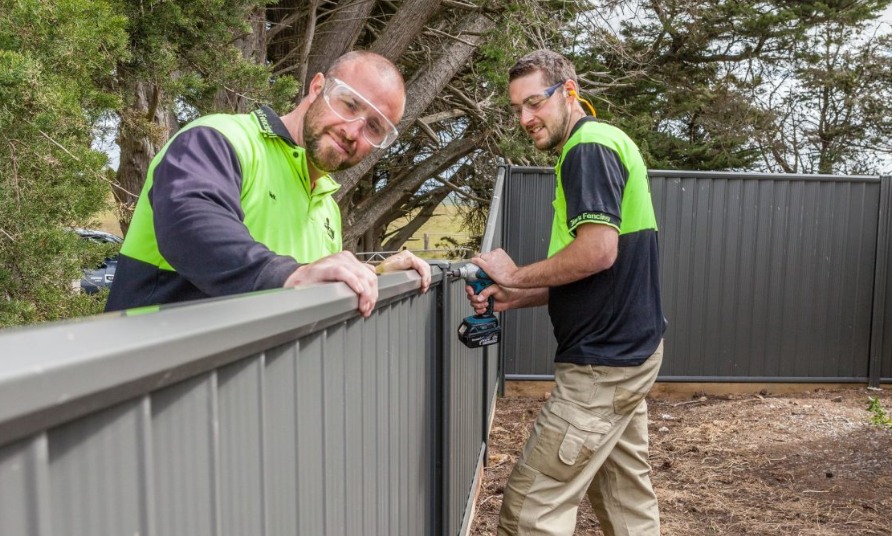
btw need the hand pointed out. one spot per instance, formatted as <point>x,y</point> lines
<point>404,260</point>
<point>504,298</point>
<point>343,266</point>
<point>498,266</point>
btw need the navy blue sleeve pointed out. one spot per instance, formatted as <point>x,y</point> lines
<point>593,178</point>
<point>199,223</point>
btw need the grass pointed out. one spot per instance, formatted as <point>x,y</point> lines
<point>878,415</point>
<point>108,221</point>
<point>446,222</point>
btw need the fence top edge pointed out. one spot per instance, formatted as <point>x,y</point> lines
<point>743,175</point>
<point>46,365</point>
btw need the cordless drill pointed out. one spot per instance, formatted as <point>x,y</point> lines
<point>483,329</point>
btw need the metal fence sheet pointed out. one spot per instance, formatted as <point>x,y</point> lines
<point>309,420</point>
<point>764,277</point>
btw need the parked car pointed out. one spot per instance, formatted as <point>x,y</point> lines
<point>103,275</point>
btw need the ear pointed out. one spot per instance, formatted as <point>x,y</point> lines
<point>570,86</point>
<point>317,84</point>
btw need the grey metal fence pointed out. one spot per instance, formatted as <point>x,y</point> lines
<point>765,277</point>
<point>276,413</point>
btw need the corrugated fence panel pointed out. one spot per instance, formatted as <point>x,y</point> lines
<point>528,340</point>
<point>24,487</point>
<point>97,486</point>
<point>464,412</point>
<point>281,438</point>
<point>881,344</point>
<point>262,414</point>
<point>493,361</point>
<point>184,447</point>
<point>311,491</point>
<point>764,277</point>
<point>240,415</point>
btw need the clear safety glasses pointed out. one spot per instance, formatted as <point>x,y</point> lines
<point>350,106</point>
<point>534,102</point>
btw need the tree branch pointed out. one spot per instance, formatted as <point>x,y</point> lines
<point>422,90</point>
<point>461,5</point>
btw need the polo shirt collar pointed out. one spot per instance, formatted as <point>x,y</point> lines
<point>271,125</point>
<point>582,120</point>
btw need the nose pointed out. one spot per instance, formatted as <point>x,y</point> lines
<point>526,116</point>
<point>353,129</point>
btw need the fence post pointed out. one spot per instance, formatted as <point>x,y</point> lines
<point>440,430</point>
<point>880,284</point>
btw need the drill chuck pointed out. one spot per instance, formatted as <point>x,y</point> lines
<point>468,272</point>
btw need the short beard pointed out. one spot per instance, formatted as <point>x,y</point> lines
<point>325,160</point>
<point>556,136</point>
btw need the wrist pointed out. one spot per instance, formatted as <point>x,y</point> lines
<point>296,277</point>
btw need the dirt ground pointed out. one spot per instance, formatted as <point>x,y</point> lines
<point>800,464</point>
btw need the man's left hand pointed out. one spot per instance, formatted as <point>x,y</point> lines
<point>405,260</point>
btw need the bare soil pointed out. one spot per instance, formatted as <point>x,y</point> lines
<point>801,464</point>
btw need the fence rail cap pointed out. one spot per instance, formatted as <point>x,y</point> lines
<point>743,175</point>
<point>63,366</point>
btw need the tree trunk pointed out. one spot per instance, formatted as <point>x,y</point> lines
<point>370,212</point>
<point>422,90</point>
<point>406,24</point>
<point>336,35</point>
<point>146,125</point>
<point>253,47</point>
<point>289,36</point>
<point>369,242</point>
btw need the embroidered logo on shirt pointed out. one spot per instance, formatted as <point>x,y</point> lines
<point>272,195</point>
<point>265,127</point>
<point>329,229</point>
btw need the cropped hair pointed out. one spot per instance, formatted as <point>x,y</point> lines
<point>384,66</point>
<point>554,67</point>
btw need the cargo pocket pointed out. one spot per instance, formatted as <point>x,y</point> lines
<point>567,442</point>
<point>625,401</point>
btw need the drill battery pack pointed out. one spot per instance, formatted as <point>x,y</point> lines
<point>479,330</point>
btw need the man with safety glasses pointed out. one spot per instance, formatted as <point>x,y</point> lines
<point>601,284</point>
<point>238,203</point>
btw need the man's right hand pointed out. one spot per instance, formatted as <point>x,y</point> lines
<point>505,298</point>
<point>501,296</point>
<point>343,266</point>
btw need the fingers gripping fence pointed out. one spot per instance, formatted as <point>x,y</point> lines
<point>272,413</point>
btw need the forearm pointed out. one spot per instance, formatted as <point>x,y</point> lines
<point>594,250</point>
<point>558,270</point>
<point>198,218</point>
<point>215,251</point>
<point>530,297</point>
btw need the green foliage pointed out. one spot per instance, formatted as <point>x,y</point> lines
<point>54,57</point>
<point>191,50</point>
<point>777,86</point>
<point>513,39</point>
<point>878,415</point>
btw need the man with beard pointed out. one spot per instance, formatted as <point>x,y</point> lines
<point>238,203</point>
<point>601,284</point>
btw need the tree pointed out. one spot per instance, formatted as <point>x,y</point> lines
<point>434,43</point>
<point>187,58</point>
<point>833,114</point>
<point>54,56</point>
<point>709,84</point>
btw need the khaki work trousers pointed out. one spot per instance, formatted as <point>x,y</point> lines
<point>590,438</point>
